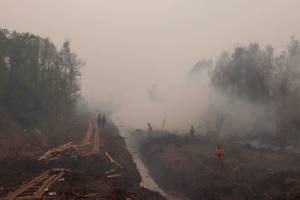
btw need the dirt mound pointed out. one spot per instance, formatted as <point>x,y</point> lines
<point>17,143</point>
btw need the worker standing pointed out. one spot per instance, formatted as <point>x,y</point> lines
<point>192,131</point>
<point>149,127</point>
<point>220,153</point>
<point>103,121</point>
<point>99,121</point>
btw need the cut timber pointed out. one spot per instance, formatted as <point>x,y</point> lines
<point>114,175</point>
<point>112,160</point>
<point>110,171</point>
<point>57,150</point>
<point>27,186</point>
<point>52,179</point>
<point>92,137</point>
<point>36,188</point>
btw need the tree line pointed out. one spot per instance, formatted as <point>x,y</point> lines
<point>39,84</point>
<point>261,76</point>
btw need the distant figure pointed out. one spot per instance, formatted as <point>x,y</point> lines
<point>220,155</point>
<point>103,121</point>
<point>192,131</point>
<point>99,121</point>
<point>149,127</point>
<point>219,123</point>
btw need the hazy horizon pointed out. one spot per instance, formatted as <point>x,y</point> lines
<point>130,45</point>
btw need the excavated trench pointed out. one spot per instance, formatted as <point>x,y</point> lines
<point>147,181</point>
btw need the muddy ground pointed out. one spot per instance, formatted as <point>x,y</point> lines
<point>187,165</point>
<point>86,177</point>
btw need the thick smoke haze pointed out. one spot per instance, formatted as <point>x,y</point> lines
<point>131,45</point>
<point>181,105</point>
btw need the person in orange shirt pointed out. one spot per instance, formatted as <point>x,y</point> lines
<point>220,155</point>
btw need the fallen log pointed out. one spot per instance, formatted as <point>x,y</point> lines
<point>112,160</point>
<point>114,175</point>
<point>37,187</point>
<point>110,171</point>
<point>56,150</point>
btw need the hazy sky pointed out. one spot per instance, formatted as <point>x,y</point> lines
<point>131,44</point>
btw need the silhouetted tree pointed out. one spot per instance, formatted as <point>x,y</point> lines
<point>39,85</point>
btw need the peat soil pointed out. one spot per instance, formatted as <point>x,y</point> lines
<point>87,173</point>
<point>187,164</point>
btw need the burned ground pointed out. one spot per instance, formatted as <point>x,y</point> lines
<point>188,165</point>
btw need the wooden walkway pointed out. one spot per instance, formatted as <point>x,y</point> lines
<point>38,187</point>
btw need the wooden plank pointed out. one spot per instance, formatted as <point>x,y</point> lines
<point>47,184</point>
<point>114,175</point>
<point>112,160</point>
<point>26,186</point>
